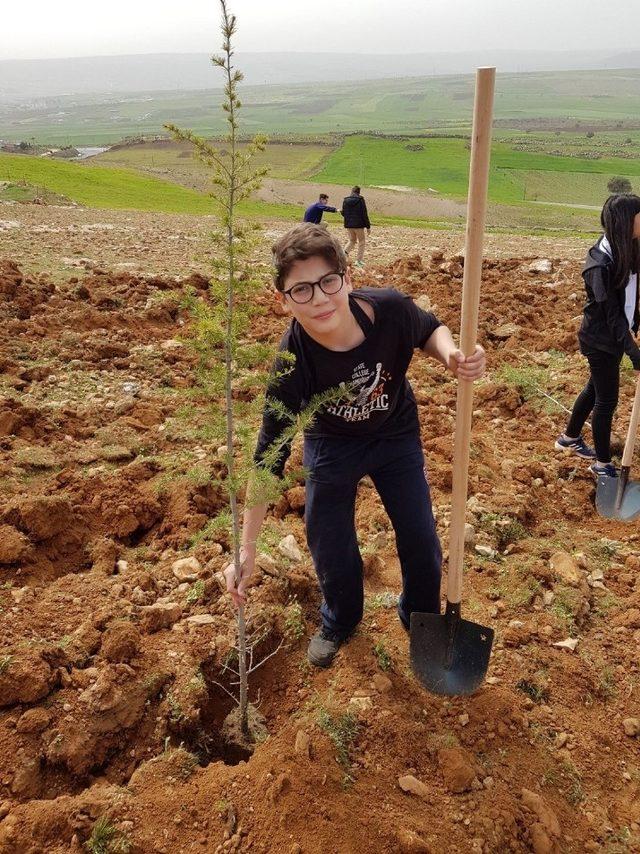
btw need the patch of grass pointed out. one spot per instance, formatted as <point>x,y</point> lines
<point>197,682</point>
<point>386,599</point>
<point>294,623</point>
<point>106,839</point>
<point>214,528</point>
<point>342,730</point>
<point>5,663</point>
<point>175,709</point>
<point>382,655</point>
<point>195,592</point>
<point>36,458</point>
<point>442,740</point>
<point>534,689</point>
<point>527,379</point>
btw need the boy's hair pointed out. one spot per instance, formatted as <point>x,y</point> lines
<point>324,196</point>
<point>617,219</point>
<point>355,189</point>
<point>305,241</point>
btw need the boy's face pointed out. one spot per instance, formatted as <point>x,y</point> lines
<point>324,313</point>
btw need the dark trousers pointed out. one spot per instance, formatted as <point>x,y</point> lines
<point>600,395</point>
<point>396,467</point>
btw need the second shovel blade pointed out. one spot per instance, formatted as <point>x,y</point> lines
<point>606,492</point>
<point>449,655</point>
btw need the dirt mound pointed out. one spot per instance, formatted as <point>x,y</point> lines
<point>117,651</point>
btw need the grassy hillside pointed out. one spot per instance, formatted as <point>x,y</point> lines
<point>175,162</point>
<point>443,165</point>
<point>104,187</point>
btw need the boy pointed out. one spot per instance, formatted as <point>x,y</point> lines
<point>364,340</point>
<point>356,219</point>
<point>314,212</point>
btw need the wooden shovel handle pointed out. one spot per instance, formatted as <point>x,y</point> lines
<point>476,211</point>
<point>632,432</point>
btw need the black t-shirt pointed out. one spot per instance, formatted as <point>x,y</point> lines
<point>380,399</point>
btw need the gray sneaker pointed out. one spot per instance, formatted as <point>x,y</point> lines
<point>323,647</point>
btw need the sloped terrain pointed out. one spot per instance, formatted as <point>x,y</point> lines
<point>117,641</point>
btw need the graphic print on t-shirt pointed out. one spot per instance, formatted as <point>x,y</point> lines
<point>367,394</point>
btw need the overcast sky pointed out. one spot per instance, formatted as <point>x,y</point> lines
<point>43,29</point>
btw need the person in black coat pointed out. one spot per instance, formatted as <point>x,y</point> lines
<point>356,219</point>
<point>610,321</point>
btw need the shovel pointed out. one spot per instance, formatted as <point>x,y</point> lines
<point>450,655</point>
<point>617,497</point>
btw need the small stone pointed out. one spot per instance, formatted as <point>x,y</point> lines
<point>409,783</point>
<point>122,565</point>
<point>561,739</point>
<point>542,265</point>
<point>567,643</point>
<point>486,551</point>
<point>186,569</point>
<point>201,620</point>
<point>289,548</point>
<point>464,719</point>
<point>267,564</point>
<point>631,726</point>
<point>469,534</point>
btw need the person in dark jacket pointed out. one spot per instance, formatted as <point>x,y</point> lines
<point>361,342</point>
<point>610,320</point>
<point>314,212</point>
<point>356,219</point>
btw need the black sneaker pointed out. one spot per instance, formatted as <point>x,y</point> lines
<point>323,647</point>
<point>607,470</point>
<point>575,446</point>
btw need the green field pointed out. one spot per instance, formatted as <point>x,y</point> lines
<point>405,105</point>
<point>104,187</point>
<point>442,165</point>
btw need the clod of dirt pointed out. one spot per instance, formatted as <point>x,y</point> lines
<point>162,615</point>
<point>120,642</point>
<point>14,546</point>
<point>546,830</point>
<point>104,554</point>
<point>26,679</point>
<point>237,743</point>
<point>457,767</point>
<point>411,843</point>
<point>565,568</point>
<point>43,517</point>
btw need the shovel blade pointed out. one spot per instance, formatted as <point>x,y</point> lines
<point>449,655</point>
<point>606,492</point>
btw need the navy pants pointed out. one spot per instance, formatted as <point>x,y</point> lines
<point>396,467</point>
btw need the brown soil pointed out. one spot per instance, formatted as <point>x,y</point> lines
<point>113,670</point>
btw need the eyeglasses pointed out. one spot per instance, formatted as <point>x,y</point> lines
<point>303,291</point>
